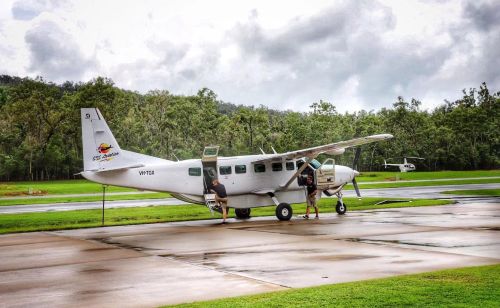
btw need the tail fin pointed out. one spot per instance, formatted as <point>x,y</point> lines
<point>101,152</point>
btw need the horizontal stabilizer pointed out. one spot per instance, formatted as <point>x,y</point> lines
<point>120,168</point>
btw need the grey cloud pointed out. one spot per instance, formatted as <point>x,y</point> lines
<point>484,16</point>
<point>485,20</point>
<point>339,43</point>
<point>169,53</point>
<point>55,54</point>
<point>29,9</point>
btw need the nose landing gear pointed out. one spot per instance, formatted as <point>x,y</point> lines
<point>340,207</point>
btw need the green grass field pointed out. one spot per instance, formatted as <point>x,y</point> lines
<point>56,187</point>
<point>478,192</point>
<point>463,287</point>
<point>37,200</point>
<point>44,221</point>
<point>368,185</point>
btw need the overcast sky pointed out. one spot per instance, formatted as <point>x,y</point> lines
<point>282,54</point>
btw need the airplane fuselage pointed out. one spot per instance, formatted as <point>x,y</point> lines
<point>246,184</point>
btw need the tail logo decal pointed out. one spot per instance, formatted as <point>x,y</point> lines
<point>104,148</point>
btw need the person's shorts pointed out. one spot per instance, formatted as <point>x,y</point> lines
<point>222,201</point>
<point>311,201</point>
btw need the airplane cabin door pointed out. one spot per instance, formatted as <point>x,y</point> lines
<point>209,163</point>
<point>325,174</point>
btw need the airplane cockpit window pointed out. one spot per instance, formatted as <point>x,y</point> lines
<point>258,168</point>
<point>277,166</point>
<point>290,165</point>
<point>315,164</point>
<point>224,170</point>
<point>240,169</point>
<point>194,171</point>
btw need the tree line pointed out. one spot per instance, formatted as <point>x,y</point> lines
<point>40,133</point>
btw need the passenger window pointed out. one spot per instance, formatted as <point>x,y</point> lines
<point>195,171</point>
<point>240,169</point>
<point>277,166</point>
<point>290,166</point>
<point>258,168</point>
<point>223,170</point>
<point>299,163</point>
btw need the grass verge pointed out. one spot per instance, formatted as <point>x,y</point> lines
<point>478,192</point>
<point>56,187</point>
<point>35,200</point>
<point>367,185</point>
<point>45,221</point>
<point>463,287</point>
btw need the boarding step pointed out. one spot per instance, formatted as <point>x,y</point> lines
<point>212,204</point>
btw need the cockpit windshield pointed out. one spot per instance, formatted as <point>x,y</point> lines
<point>315,164</point>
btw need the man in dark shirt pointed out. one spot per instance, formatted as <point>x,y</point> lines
<point>220,197</point>
<point>311,198</point>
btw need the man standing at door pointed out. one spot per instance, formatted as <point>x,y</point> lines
<point>220,197</point>
<point>311,197</point>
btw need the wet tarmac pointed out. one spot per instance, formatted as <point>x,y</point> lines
<point>168,263</point>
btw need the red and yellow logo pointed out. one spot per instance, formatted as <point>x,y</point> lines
<point>104,148</point>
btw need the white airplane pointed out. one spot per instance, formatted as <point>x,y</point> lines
<point>405,166</point>
<point>251,181</point>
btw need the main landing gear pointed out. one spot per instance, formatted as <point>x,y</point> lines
<point>340,207</point>
<point>242,213</point>
<point>284,211</point>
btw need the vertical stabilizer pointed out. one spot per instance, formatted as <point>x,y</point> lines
<point>100,149</point>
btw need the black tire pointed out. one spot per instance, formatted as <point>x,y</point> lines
<point>284,211</point>
<point>341,208</point>
<point>242,213</point>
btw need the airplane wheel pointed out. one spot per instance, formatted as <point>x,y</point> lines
<point>284,211</point>
<point>242,213</point>
<point>341,208</point>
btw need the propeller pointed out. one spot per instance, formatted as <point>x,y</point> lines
<point>356,188</point>
<point>354,167</point>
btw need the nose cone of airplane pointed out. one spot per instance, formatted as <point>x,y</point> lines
<point>356,173</point>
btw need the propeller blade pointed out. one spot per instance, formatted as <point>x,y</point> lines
<point>356,158</point>
<point>355,184</point>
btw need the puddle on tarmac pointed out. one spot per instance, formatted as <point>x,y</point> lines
<point>95,270</point>
<point>342,257</point>
<point>97,249</point>
<point>406,261</point>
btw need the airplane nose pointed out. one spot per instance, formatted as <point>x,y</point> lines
<point>356,173</point>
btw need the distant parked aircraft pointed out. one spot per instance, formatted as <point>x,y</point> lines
<point>405,166</point>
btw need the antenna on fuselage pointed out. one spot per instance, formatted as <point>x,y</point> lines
<point>175,156</point>
<point>274,150</point>
<point>262,151</point>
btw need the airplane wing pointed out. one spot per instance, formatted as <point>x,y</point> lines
<point>332,147</point>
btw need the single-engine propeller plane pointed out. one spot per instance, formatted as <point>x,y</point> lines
<point>251,181</point>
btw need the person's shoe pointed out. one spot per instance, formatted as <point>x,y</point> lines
<point>317,217</point>
<point>305,217</point>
